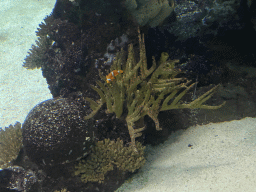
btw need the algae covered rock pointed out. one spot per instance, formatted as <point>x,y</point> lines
<point>10,144</point>
<point>107,156</point>
<point>55,132</point>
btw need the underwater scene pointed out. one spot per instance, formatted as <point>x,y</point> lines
<point>127,95</point>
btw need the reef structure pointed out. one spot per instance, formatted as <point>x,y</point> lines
<point>140,91</point>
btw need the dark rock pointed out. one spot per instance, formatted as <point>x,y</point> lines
<point>16,179</point>
<point>70,40</point>
<point>55,131</point>
<point>197,18</point>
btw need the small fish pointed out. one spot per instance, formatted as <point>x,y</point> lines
<point>112,75</point>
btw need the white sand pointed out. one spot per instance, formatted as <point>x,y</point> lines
<point>20,89</point>
<point>222,158</point>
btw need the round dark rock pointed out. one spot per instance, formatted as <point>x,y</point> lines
<point>55,132</point>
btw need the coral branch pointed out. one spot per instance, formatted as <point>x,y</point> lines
<point>143,91</point>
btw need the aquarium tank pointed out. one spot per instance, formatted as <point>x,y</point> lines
<point>127,95</point>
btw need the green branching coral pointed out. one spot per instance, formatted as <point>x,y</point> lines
<point>105,156</point>
<point>10,144</point>
<point>143,91</point>
<point>35,58</point>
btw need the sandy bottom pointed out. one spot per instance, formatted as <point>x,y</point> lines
<point>20,89</point>
<point>222,158</point>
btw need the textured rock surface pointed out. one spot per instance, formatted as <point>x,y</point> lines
<point>16,178</point>
<point>55,132</point>
<point>198,18</point>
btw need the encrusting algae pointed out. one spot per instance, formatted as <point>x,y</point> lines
<point>142,91</point>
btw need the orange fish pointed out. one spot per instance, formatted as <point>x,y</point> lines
<point>112,75</point>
